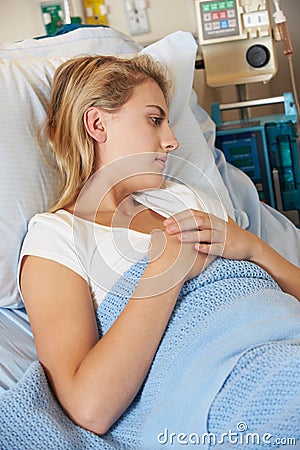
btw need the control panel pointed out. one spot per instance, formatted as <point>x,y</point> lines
<point>235,39</point>
<point>219,20</point>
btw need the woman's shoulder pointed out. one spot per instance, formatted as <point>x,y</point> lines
<point>54,236</point>
<point>58,219</point>
<point>59,223</point>
<point>48,232</point>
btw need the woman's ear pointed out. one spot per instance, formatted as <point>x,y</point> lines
<point>93,121</point>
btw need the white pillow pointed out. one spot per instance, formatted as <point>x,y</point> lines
<point>98,40</point>
<point>28,185</point>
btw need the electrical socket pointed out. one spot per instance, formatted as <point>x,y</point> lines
<point>137,18</point>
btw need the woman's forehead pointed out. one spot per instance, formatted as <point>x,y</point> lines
<point>149,93</point>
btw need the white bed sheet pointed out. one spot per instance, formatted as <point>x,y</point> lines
<point>17,348</point>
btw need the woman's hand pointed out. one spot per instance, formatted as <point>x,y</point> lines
<point>213,236</point>
<point>174,261</point>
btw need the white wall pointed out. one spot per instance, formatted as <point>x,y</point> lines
<point>20,19</point>
<point>165,16</point>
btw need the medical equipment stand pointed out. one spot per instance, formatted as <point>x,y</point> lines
<point>266,149</point>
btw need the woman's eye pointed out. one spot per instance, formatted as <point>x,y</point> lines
<point>157,120</point>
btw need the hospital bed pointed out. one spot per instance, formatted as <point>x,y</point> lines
<point>28,182</point>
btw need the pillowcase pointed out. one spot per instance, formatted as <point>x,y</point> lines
<point>28,184</point>
<point>95,40</point>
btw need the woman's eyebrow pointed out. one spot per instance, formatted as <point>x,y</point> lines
<point>161,111</point>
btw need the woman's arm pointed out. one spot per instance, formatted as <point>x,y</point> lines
<point>212,235</point>
<point>95,380</point>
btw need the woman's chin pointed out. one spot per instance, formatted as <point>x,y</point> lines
<point>149,181</point>
<point>154,181</point>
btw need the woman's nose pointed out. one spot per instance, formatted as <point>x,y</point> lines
<point>169,142</point>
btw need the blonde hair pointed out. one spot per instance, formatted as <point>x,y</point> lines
<point>79,83</point>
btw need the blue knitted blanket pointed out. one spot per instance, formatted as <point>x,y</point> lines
<point>226,374</point>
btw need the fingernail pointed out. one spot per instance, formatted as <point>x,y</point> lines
<point>171,228</point>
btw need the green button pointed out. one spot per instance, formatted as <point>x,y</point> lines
<point>230,4</point>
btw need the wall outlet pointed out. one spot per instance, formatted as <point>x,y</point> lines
<point>137,18</point>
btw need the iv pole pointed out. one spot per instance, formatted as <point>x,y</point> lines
<point>281,23</point>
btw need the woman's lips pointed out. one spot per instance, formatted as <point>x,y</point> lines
<point>161,162</point>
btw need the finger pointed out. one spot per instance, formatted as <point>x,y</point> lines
<point>205,236</point>
<point>216,249</point>
<point>188,220</point>
<point>172,224</point>
<point>184,225</point>
<point>183,214</point>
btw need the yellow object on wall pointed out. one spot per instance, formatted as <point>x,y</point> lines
<point>95,12</point>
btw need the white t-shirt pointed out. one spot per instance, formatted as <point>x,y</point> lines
<point>101,254</point>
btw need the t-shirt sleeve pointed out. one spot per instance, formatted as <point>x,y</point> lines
<point>51,237</point>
